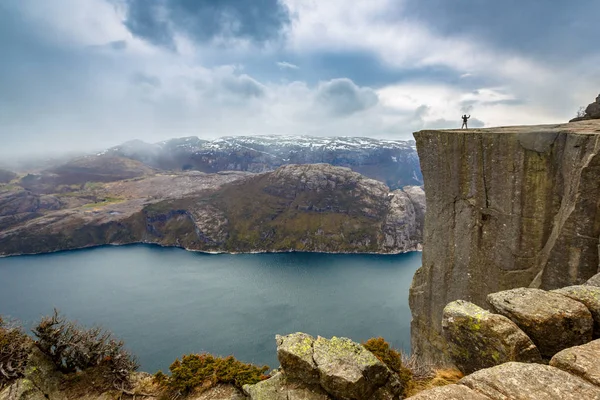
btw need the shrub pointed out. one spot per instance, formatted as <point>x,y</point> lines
<point>14,352</point>
<point>414,375</point>
<point>390,357</point>
<point>73,348</point>
<point>205,370</point>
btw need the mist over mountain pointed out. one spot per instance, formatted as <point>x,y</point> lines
<point>394,162</point>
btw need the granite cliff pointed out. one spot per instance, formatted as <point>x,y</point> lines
<point>507,207</point>
<point>316,207</point>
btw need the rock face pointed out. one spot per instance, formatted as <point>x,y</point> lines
<point>529,382</point>
<point>506,207</point>
<point>314,207</point>
<point>592,111</point>
<point>479,339</point>
<point>590,297</point>
<point>581,361</point>
<point>554,322</point>
<point>321,368</point>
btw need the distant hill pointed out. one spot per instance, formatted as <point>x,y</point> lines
<point>314,207</point>
<point>6,176</point>
<point>78,172</point>
<point>394,162</point>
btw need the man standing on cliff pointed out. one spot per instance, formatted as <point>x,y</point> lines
<point>464,124</point>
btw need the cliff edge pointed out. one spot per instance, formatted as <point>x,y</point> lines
<point>507,207</point>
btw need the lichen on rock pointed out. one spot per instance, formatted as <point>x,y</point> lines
<point>478,339</point>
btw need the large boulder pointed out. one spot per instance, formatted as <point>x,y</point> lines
<point>450,392</point>
<point>478,339</point>
<point>295,354</point>
<point>529,382</point>
<point>590,297</point>
<point>554,322</point>
<point>594,280</point>
<point>582,361</point>
<point>347,370</point>
<point>343,369</point>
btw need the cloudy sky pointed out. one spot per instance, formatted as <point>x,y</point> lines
<point>85,74</point>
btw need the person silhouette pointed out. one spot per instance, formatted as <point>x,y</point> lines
<point>464,124</point>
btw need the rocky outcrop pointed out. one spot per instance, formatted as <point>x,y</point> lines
<point>506,207</point>
<point>295,208</point>
<point>478,339</point>
<point>554,322</point>
<point>321,368</point>
<point>592,111</point>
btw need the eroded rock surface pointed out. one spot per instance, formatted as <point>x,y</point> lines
<point>583,361</point>
<point>529,382</point>
<point>450,392</point>
<point>554,322</point>
<point>506,207</point>
<point>589,296</point>
<point>479,339</point>
<point>278,387</point>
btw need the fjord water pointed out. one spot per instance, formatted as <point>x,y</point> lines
<point>165,302</point>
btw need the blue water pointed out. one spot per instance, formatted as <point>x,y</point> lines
<point>165,302</point>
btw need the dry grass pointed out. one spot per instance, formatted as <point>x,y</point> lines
<point>437,377</point>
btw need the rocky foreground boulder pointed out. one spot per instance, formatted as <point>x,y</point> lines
<point>554,322</point>
<point>321,368</point>
<point>478,339</point>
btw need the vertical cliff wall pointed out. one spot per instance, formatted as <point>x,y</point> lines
<point>506,207</point>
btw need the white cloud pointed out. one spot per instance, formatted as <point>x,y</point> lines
<point>137,90</point>
<point>287,65</point>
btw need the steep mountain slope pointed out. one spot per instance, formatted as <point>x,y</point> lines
<point>393,162</point>
<point>297,207</point>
